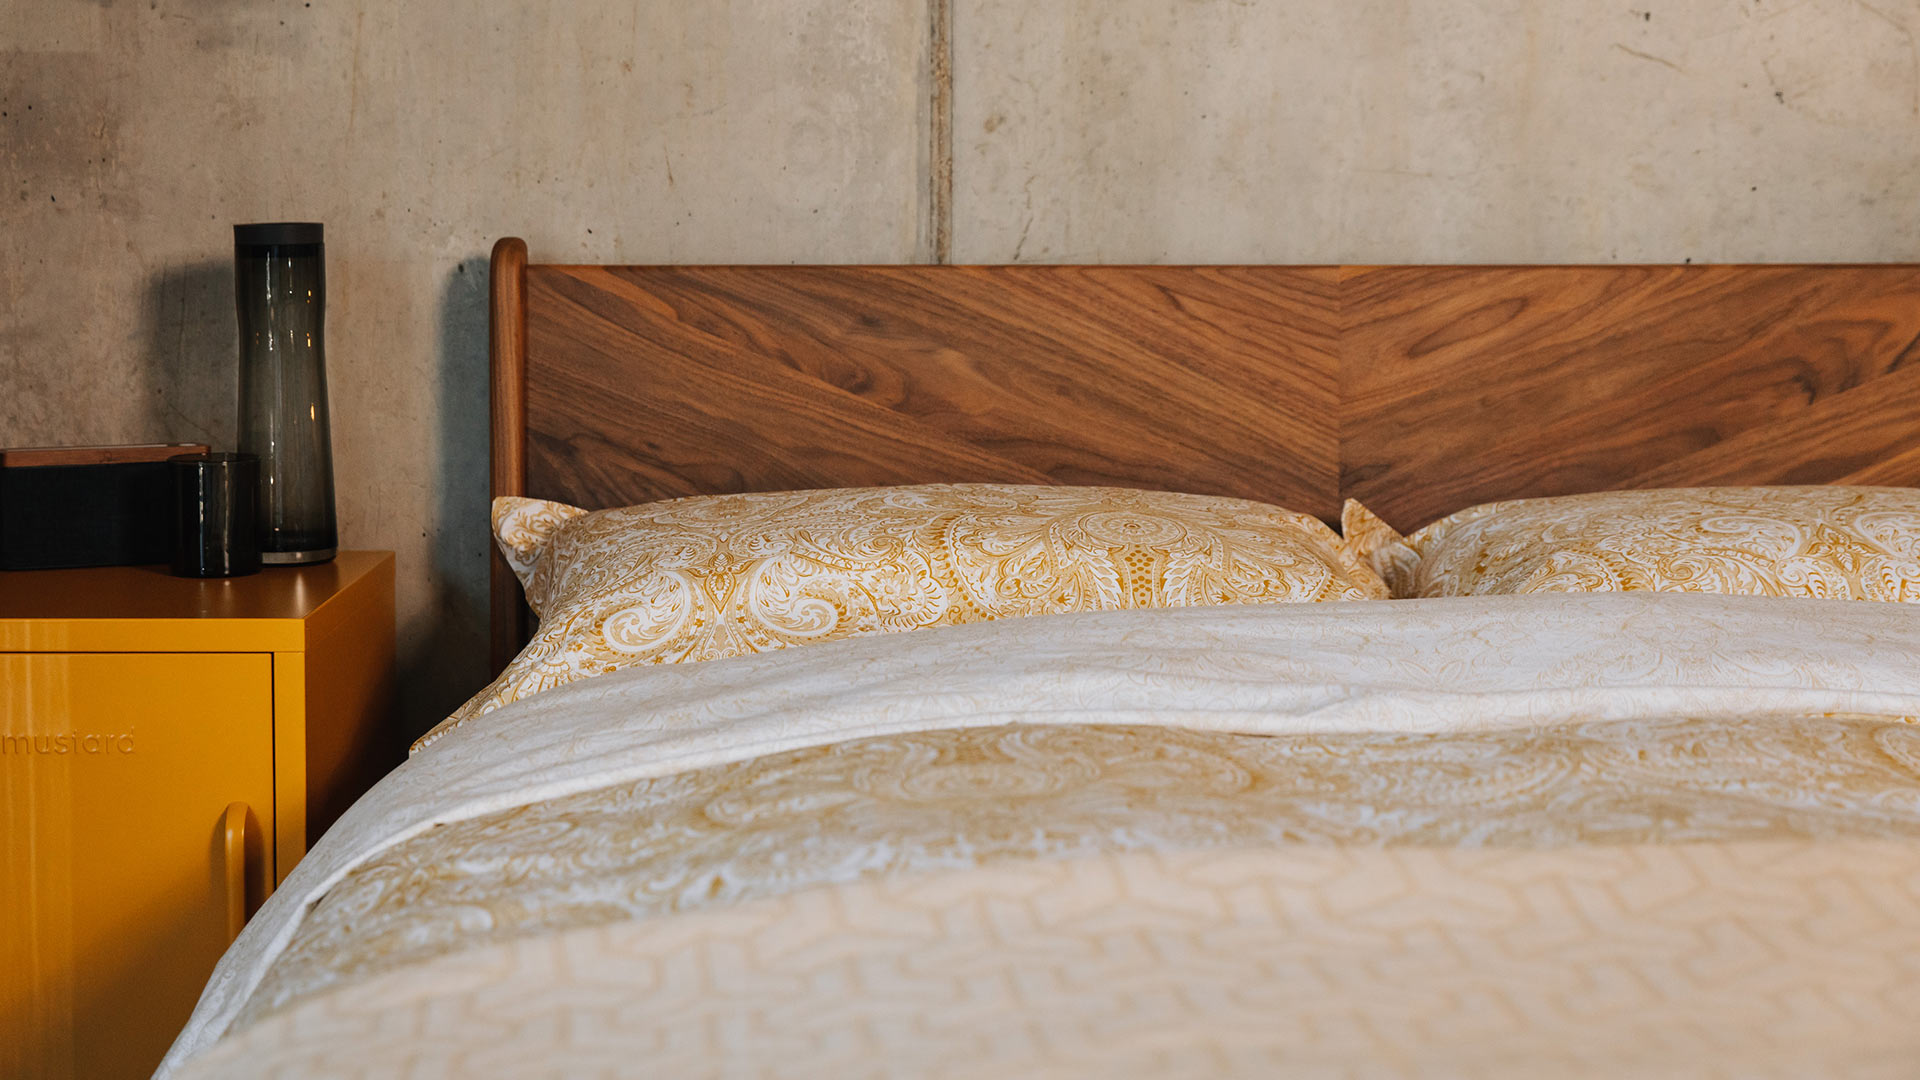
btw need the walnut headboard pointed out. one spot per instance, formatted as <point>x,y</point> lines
<point>1417,389</point>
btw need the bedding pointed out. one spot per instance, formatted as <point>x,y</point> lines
<point>710,577</point>
<point>1630,833</point>
<point>1832,542</point>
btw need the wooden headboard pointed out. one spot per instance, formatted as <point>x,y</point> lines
<point>1417,389</point>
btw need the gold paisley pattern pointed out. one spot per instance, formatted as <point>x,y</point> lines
<point>946,800</point>
<point>711,577</point>
<point>1841,543</point>
<point>522,528</point>
<point>1763,960</point>
<point>1551,777</point>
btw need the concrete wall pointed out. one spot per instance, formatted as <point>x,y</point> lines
<point>137,132</point>
<point>132,134</point>
<point>1437,130</point>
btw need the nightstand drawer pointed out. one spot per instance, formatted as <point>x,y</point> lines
<point>118,770</point>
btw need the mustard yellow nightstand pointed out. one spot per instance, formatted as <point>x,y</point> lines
<point>168,748</point>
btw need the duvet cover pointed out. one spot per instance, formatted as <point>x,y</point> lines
<point>1611,834</point>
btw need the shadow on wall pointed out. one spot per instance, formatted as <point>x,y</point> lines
<point>443,649</point>
<point>192,356</point>
<point>189,337</point>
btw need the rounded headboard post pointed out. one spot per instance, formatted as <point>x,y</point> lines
<point>507,356</point>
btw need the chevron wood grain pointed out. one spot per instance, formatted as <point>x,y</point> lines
<point>1461,385</point>
<point>651,382</point>
<point>1419,390</point>
<point>1864,434</point>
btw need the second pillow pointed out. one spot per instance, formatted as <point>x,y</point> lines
<point>1844,543</point>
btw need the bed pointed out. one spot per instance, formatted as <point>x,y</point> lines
<point>1631,833</point>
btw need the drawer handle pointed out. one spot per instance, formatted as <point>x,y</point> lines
<point>243,860</point>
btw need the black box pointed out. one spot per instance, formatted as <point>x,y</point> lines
<point>86,505</point>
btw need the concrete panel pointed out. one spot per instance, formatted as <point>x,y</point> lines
<point>1396,131</point>
<point>134,134</point>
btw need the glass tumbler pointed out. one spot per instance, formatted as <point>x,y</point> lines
<point>280,292</point>
<point>213,515</point>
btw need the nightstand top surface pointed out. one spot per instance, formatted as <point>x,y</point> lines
<point>36,602</point>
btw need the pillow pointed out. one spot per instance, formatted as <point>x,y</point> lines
<point>1858,543</point>
<point>727,575</point>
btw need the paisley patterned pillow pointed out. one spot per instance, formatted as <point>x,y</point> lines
<point>726,575</point>
<point>1857,543</point>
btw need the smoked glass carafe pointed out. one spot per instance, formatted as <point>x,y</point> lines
<point>280,286</point>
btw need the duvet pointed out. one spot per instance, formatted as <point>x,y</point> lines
<point>1616,834</point>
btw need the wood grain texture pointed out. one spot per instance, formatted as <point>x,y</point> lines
<point>1461,385</point>
<point>507,363</point>
<point>652,382</point>
<point>1419,390</point>
<point>29,457</point>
